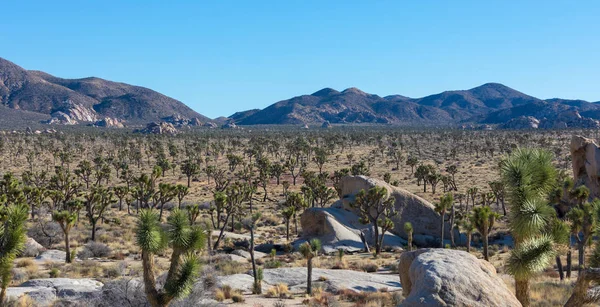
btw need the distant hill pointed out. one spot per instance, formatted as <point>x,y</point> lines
<point>491,103</point>
<point>84,100</point>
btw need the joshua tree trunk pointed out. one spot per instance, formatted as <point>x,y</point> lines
<point>485,245</point>
<point>522,291</point>
<point>221,233</point>
<point>67,249</point>
<point>469,242</point>
<point>581,255</point>
<point>257,289</point>
<point>309,278</point>
<point>559,266</point>
<point>287,229</point>
<point>377,243</point>
<point>154,298</point>
<point>442,235</point>
<point>580,295</point>
<point>569,263</point>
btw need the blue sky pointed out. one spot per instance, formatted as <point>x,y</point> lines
<point>219,57</point>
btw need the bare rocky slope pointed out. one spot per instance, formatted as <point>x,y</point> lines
<point>83,100</point>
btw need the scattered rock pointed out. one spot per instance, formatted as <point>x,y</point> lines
<point>51,255</point>
<point>326,124</point>
<point>331,280</point>
<point>246,254</point>
<point>446,277</point>
<point>230,125</point>
<point>46,290</point>
<point>585,156</point>
<point>61,118</point>
<point>210,125</point>
<point>32,248</point>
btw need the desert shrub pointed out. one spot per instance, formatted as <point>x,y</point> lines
<point>272,264</point>
<point>95,250</point>
<point>279,304</point>
<point>369,267</point>
<point>18,275</point>
<point>24,263</point>
<point>54,273</point>
<point>278,291</point>
<point>219,295</point>
<point>237,297</point>
<point>227,291</point>
<point>229,267</point>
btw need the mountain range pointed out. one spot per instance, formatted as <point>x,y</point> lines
<point>35,96</point>
<point>38,95</point>
<point>491,103</point>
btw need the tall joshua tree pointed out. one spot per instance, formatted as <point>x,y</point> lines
<point>445,203</point>
<point>12,241</point>
<point>483,219</point>
<point>529,176</point>
<point>184,240</point>
<point>310,250</point>
<point>376,207</point>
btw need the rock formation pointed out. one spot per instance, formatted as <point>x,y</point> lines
<point>521,123</point>
<point>445,277</point>
<point>109,123</point>
<point>159,128</point>
<point>410,207</point>
<point>585,156</point>
<point>340,229</point>
<point>45,291</point>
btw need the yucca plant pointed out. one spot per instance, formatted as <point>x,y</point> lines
<point>310,250</point>
<point>184,239</point>
<point>529,176</point>
<point>446,202</point>
<point>483,219</point>
<point>12,241</point>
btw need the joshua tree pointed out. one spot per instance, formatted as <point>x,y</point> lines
<point>288,213</point>
<point>412,161</point>
<point>445,203</point>
<point>67,219</point>
<point>184,240</point>
<point>529,176</point>
<point>182,191</point>
<point>408,228</point>
<point>468,228</point>
<point>483,219</point>
<point>310,250</point>
<point>377,208</point>
<point>584,221</point>
<point>96,203</point>
<point>121,193</point>
<point>12,241</point>
<point>250,224</point>
<point>190,168</point>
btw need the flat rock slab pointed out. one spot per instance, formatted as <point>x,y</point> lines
<point>331,280</point>
<point>46,290</point>
<point>231,235</point>
<point>246,254</point>
<point>51,255</point>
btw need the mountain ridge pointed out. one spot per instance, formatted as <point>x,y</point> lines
<point>85,99</point>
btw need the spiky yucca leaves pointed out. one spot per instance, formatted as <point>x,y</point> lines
<point>530,257</point>
<point>184,239</point>
<point>310,250</point>
<point>12,241</point>
<point>529,176</point>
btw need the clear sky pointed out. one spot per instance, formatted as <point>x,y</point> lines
<point>219,57</point>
